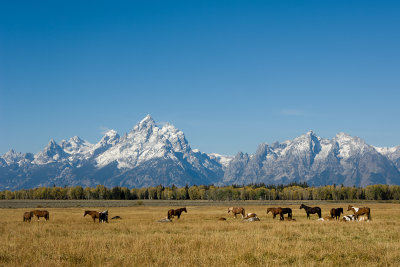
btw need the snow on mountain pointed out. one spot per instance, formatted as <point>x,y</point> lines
<point>148,155</point>
<point>392,153</point>
<point>16,157</point>
<point>222,159</point>
<point>309,158</point>
<point>76,145</point>
<point>109,139</point>
<point>51,153</point>
<point>144,142</point>
<point>151,154</point>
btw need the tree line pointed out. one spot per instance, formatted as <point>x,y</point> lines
<point>292,191</point>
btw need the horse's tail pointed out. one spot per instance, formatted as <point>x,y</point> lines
<point>168,215</point>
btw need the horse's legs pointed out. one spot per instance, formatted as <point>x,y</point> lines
<point>281,216</point>
<point>274,216</point>
<point>319,214</point>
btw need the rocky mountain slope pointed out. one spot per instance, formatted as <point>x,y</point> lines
<point>150,155</point>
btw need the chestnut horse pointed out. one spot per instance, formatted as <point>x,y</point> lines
<point>177,212</point>
<point>41,213</point>
<point>335,213</point>
<point>280,211</point>
<point>94,214</point>
<point>237,210</point>
<point>311,210</point>
<point>28,216</point>
<point>360,211</point>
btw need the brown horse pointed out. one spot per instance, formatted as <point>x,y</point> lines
<point>237,210</point>
<point>280,211</point>
<point>28,216</point>
<point>335,213</point>
<point>177,212</point>
<point>276,211</point>
<point>41,213</point>
<point>94,214</point>
<point>360,211</point>
<point>311,210</point>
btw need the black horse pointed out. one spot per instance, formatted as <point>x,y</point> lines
<point>177,212</point>
<point>288,211</point>
<point>335,213</point>
<point>311,210</point>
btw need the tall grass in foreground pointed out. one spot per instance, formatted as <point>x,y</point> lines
<point>198,239</point>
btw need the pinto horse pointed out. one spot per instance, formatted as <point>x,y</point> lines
<point>335,213</point>
<point>103,216</point>
<point>177,212</point>
<point>311,210</point>
<point>28,216</point>
<point>94,214</point>
<point>41,213</point>
<point>237,210</point>
<point>360,211</point>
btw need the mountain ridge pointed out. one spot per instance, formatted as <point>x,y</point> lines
<point>150,155</point>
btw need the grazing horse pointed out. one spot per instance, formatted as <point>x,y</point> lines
<point>280,211</point>
<point>177,212</point>
<point>276,211</point>
<point>237,210</point>
<point>335,213</point>
<point>28,216</point>
<point>287,211</point>
<point>41,213</point>
<point>311,210</point>
<point>360,211</point>
<point>94,214</point>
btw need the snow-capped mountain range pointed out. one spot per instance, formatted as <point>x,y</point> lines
<point>150,155</point>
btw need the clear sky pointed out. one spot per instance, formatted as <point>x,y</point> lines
<point>229,74</point>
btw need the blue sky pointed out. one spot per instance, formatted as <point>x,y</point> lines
<point>229,74</point>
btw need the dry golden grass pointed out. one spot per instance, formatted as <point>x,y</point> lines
<point>199,239</point>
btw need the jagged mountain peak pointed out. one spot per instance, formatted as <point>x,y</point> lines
<point>12,156</point>
<point>151,154</point>
<point>111,133</point>
<point>51,153</point>
<point>146,123</point>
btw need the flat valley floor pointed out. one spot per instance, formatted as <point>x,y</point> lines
<point>198,238</point>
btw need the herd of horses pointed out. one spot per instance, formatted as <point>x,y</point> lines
<point>335,214</point>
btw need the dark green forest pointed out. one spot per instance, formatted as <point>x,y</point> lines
<point>292,191</point>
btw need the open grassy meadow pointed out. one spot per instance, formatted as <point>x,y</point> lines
<point>198,238</point>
